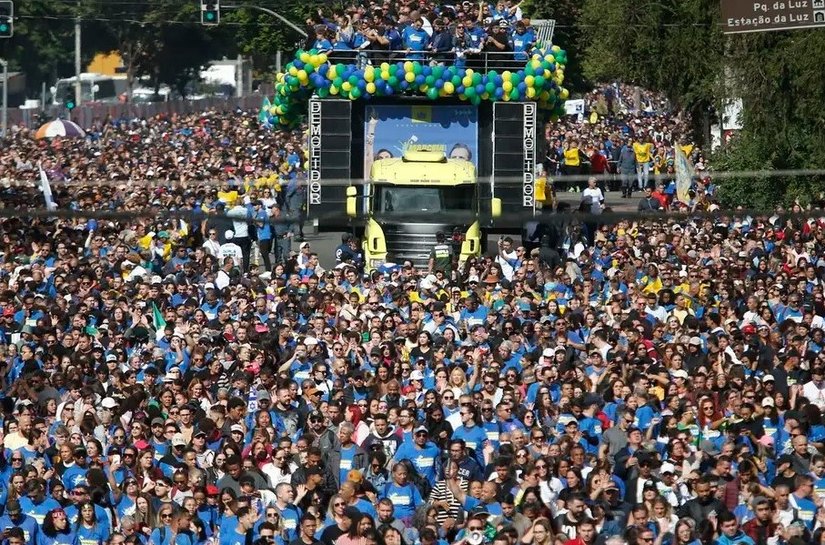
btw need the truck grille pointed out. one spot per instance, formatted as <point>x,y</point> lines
<point>414,241</point>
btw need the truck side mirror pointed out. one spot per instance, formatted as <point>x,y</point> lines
<point>352,193</point>
<point>495,207</point>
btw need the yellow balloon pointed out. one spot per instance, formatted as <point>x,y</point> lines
<point>535,64</point>
<point>370,88</point>
<point>467,81</point>
<point>369,75</point>
<point>314,60</point>
<point>506,75</point>
<point>507,86</point>
<point>280,77</point>
<point>385,66</point>
<point>293,71</point>
<point>555,49</point>
<point>529,81</point>
<point>322,58</point>
<point>564,94</point>
<point>408,67</point>
<point>561,79</point>
<point>302,76</point>
<point>305,57</point>
<point>409,76</point>
<point>531,92</point>
<point>346,86</point>
<point>550,58</point>
<point>385,75</point>
<point>273,110</point>
<point>449,88</point>
<point>469,72</point>
<point>333,90</point>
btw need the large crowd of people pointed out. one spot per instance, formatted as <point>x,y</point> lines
<point>212,380</point>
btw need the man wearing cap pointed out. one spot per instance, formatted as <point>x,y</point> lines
<point>422,453</point>
<point>75,475</point>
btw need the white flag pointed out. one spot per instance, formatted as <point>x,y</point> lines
<point>46,188</point>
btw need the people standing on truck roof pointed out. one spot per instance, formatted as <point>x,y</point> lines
<point>416,40</point>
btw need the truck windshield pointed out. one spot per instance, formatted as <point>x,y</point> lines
<point>393,199</point>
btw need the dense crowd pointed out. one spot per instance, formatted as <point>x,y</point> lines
<point>630,137</point>
<point>475,34</point>
<point>208,380</point>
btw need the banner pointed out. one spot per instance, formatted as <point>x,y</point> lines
<point>390,130</point>
<point>684,176</point>
<point>46,188</point>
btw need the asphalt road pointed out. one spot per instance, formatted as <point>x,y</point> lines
<point>325,243</point>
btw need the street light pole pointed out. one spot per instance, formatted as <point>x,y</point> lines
<point>283,19</point>
<point>77,63</point>
<point>5,118</point>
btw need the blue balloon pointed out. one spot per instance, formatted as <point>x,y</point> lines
<point>439,83</point>
<point>362,84</point>
<point>459,89</point>
<point>426,71</point>
<point>419,79</point>
<point>323,69</point>
<point>404,85</point>
<point>480,89</point>
<point>399,73</point>
<point>498,81</point>
<point>521,87</point>
<point>499,92</point>
<point>388,90</point>
<point>297,64</point>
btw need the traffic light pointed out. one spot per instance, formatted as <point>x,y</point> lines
<point>6,19</point>
<point>70,104</point>
<point>210,13</point>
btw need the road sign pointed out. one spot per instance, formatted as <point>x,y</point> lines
<point>740,16</point>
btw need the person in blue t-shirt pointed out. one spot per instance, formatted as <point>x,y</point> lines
<point>523,40</point>
<point>404,496</point>
<point>415,39</point>
<point>247,517</point>
<point>56,529</point>
<point>422,453</point>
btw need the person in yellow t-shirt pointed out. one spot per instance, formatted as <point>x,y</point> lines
<point>572,160</point>
<point>644,154</point>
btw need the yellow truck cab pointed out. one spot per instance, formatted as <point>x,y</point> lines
<point>422,182</point>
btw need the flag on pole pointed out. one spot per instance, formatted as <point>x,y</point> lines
<point>684,176</point>
<point>157,318</point>
<point>46,188</point>
<point>263,115</point>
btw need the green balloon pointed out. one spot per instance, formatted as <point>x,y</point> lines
<point>353,80</point>
<point>438,71</point>
<point>432,93</point>
<point>416,68</point>
<point>491,75</point>
<point>323,92</point>
<point>338,82</point>
<point>355,93</point>
<point>515,79</point>
<point>490,87</point>
<point>392,81</point>
<point>456,81</point>
<point>475,100</point>
<point>470,92</point>
<point>476,78</point>
<point>514,94</point>
<point>429,80</point>
<point>538,82</point>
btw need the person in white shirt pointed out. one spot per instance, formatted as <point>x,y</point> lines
<point>230,249</point>
<point>814,390</point>
<point>593,196</point>
<point>211,244</point>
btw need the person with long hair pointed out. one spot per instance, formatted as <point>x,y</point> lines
<point>89,530</point>
<point>540,533</point>
<point>57,530</point>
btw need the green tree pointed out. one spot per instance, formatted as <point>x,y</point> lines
<point>42,44</point>
<point>783,122</point>
<point>567,35</point>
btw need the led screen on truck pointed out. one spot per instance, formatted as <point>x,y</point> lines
<point>390,130</point>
